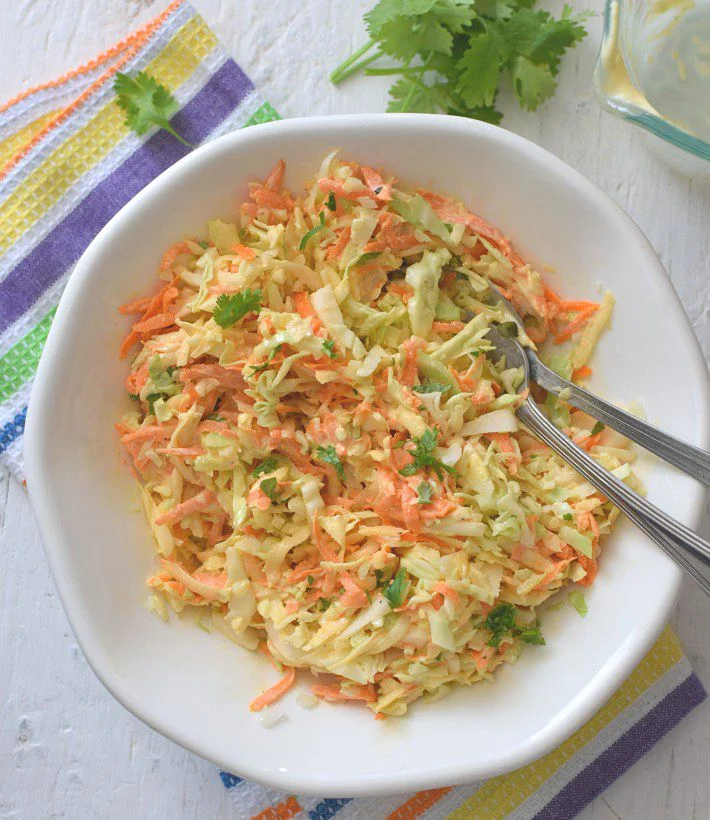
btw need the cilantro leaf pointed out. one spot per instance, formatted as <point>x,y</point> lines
<point>330,456</point>
<point>423,456</point>
<point>269,488</point>
<point>330,202</point>
<point>322,604</point>
<point>431,387</point>
<point>230,309</point>
<point>382,578</point>
<point>598,428</point>
<point>424,493</point>
<point>268,465</point>
<point>411,94</point>
<point>480,69</point>
<point>305,239</point>
<point>500,621</point>
<point>568,516</point>
<point>328,346</point>
<point>146,103</point>
<point>395,592</point>
<point>533,84</point>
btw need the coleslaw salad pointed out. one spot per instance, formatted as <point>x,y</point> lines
<point>330,464</point>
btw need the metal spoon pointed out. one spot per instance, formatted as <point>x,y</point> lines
<point>691,460</point>
<point>686,548</point>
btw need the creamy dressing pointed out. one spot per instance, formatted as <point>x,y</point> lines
<point>658,59</point>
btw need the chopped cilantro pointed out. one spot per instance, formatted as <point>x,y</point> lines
<point>268,465</point>
<point>330,202</point>
<point>230,309</point>
<point>500,622</point>
<point>568,516</point>
<point>598,428</point>
<point>424,492</point>
<point>216,417</point>
<point>423,456</point>
<point>310,580</point>
<point>328,346</point>
<point>269,488</point>
<point>257,368</point>
<point>322,604</point>
<point>204,245</point>
<point>330,456</point>
<point>394,593</point>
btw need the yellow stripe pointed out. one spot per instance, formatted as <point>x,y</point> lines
<point>498,797</point>
<point>78,155</point>
<point>10,146</point>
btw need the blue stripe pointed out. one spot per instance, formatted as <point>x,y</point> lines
<point>230,780</point>
<point>12,430</point>
<point>327,808</point>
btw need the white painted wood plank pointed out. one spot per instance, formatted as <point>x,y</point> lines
<point>67,749</point>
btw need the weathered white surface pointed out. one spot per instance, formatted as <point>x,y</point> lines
<point>67,749</point>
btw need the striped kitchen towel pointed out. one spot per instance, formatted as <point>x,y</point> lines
<point>67,164</point>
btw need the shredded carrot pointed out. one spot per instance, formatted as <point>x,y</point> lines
<point>275,692</point>
<point>580,373</point>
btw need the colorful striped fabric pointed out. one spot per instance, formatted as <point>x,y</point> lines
<point>67,165</point>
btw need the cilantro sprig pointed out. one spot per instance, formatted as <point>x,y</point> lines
<point>231,308</point>
<point>500,621</point>
<point>423,456</point>
<point>451,56</point>
<point>146,103</point>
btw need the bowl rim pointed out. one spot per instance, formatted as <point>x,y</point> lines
<point>38,425</point>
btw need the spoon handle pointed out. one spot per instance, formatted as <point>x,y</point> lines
<point>686,548</point>
<point>691,460</point>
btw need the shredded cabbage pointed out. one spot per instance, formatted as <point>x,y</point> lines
<point>330,463</point>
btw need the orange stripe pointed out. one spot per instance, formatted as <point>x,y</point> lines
<point>91,64</point>
<point>138,40</point>
<point>281,811</point>
<point>417,805</point>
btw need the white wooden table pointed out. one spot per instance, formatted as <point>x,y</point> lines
<point>67,749</point>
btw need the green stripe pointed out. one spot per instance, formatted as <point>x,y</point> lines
<point>20,362</point>
<point>264,114</point>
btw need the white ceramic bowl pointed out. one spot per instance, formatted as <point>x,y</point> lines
<point>195,688</point>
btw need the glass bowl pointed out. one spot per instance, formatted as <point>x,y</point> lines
<point>653,70</point>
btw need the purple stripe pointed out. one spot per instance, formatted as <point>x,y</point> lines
<point>622,754</point>
<point>57,252</point>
